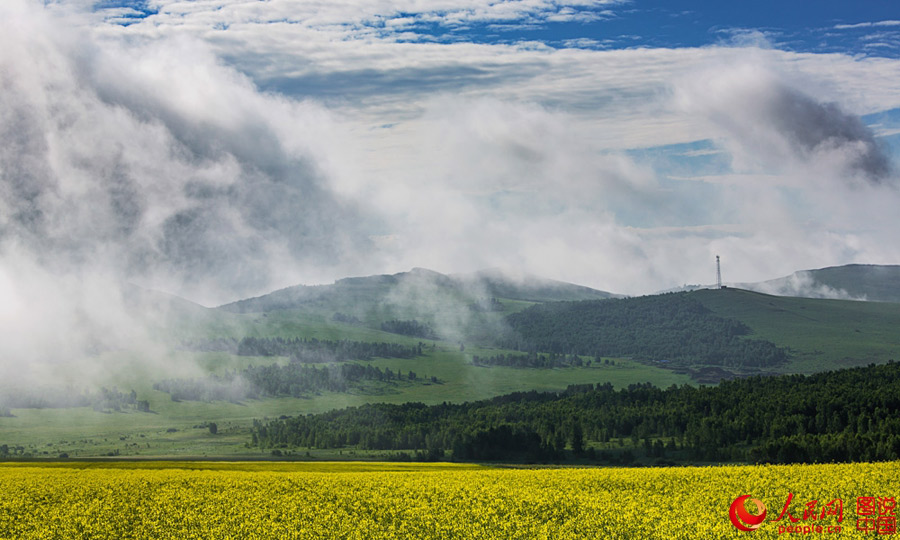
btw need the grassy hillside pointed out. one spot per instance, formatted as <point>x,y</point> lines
<point>416,286</point>
<point>674,329</point>
<point>874,283</point>
<point>820,334</point>
<point>837,416</point>
<point>457,308</point>
<point>180,428</point>
<point>738,330</point>
<point>528,288</point>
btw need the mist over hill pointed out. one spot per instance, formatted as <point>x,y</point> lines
<point>862,282</point>
<point>417,284</point>
<point>869,282</point>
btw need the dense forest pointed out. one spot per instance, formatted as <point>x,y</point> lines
<point>839,416</point>
<point>294,379</point>
<point>671,328</point>
<point>535,360</point>
<point>310,351</point>
<point>409,328</point>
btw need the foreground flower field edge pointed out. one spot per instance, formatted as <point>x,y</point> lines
<point>396,500</point>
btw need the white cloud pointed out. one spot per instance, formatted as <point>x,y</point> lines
<point>346,56</point>
<point>358,15</point>
<point>866,25</point>
<point>483,140</point>
<point>803,284</point>
<point>149,163</point>
<point>775,126</point>
<point>373,75</point>
<point>167,164</point>
<point>149,153</point>
<point>586,43</point>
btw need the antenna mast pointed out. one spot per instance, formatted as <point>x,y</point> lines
<point>718,273</point>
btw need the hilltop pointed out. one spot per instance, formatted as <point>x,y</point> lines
<point>795,334</point>
<point>421,302</point>
<point>869,282</point>
<point>414,284</point>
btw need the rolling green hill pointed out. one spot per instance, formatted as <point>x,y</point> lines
<point>669,339</point>
<point>874,283</point>
<point>674,329</point>
<point>733,331</point>
<point>455,308</point>
<point>820,334</point>
<point>416,286</point>
<point>739,331</point>
<point>466,313</point>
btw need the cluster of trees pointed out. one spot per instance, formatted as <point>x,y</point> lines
<point>671,328</point>
<point>344,318</point>
<point>842,416</point>
<point>294,379</point>
<point>53,397</point>
<point>409,328</point>
<point>214,388</point>
<point>533,360</point>
<point>113,400</point>
<point>7,450</point>
<point>308,350</point>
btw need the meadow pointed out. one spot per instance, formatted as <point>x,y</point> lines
<point>820,335</point>
<point>391,500</point>
<point>180,428</point>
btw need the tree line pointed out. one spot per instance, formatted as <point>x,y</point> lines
<point>535,360</point>
<point>307,350</point>
<point>61,397</point>
<point>292,380</point>
<point>671,328</point>
<point>410,328</point>
<point>840,416</point>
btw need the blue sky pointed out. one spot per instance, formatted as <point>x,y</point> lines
<point>229,147</point>
<point>870,27</point>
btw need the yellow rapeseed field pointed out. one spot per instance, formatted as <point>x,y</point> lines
<point>366,500</point>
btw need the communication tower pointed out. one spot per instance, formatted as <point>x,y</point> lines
<point>718,273</point>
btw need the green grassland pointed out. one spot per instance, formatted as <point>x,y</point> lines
<point>821,334</point>
<point>180,428</point>
<point>875,283</point>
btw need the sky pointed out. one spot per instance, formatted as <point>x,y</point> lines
<point>219,149</point>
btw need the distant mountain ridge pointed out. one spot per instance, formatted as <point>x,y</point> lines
<point>419,281</point>
<point>868,282</point>
<point>861,282</point>
<point>531,288</point>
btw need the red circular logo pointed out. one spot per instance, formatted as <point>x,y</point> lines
<point>742,518</point>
